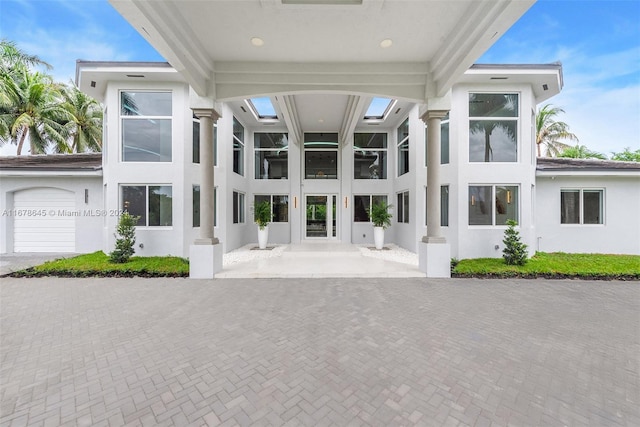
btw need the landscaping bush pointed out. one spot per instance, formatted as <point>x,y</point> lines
<point>125,239</point>
<point>514,252</point>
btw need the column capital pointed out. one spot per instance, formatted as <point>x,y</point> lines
<point>434,114</point>
<point>206,112</point>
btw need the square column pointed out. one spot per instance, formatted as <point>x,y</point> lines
<point>205,255</point>
<point>434,253</point>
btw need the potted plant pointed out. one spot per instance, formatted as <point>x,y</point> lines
<point>381,218</point>
<point>262,217</point>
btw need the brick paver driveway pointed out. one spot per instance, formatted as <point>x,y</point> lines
<point>319,352</point>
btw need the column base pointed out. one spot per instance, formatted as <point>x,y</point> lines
<point>434,259</point>
<point>213,241</point>
<point>205,260</point>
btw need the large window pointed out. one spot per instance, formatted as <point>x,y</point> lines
<point>321,155</point>
<point>370,156</point>
<point>493,204</point>
<point>444,206</point>
<point>238,208</point>
<point>152,203</point>
<point>580,206</point>
<point>146,126</point>
<point>196,142</point>
<point>444,142</point>
<point>271,155</point>
<point>362,204</point>
<point>238,147</point>
<point>196,206</point>
<point>403,148</point>
<point>279,206</point>
<point>493,127</point>
<point>403,207</point>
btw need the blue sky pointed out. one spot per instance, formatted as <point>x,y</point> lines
<point>598,43</point>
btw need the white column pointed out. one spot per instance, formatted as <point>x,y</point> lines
<point>434,253</point>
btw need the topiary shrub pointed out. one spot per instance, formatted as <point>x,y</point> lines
<point>514,252</point>
<point>125,238</point>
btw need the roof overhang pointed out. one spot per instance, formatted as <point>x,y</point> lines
<point>322,46</point>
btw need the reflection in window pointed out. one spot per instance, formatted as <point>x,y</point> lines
<point>238,208</point>
<point>321,155</point>
<point>403,148</point>
<point>271,152</point>
<point>403,207</point>
<point>591,202</point>
<point>492,205</point>
<point>370,156</point>
<point>362,204</point>
<point>444,206</point>
<point>152,203</point>
<point>238,147</point>
<point>146,126</point>
<point>279,206</point>
<point>493,127</point>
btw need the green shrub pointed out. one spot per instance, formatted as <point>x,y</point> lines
<point>514,252</point>
<point>380,215</point>
<point>262,214</point>
<point>125,238</point>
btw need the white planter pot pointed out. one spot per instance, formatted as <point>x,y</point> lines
<point>263,237</point>
<point>378,237</point>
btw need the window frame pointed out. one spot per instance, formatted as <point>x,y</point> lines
<point>242,148</point>
<point>371,198</point>
<point>271,204</point>
<point>385,149</point>
<point>399,144</point>
<point>257,150</point>
<point>444,207</point>
<point>515,119</point>
<point>494,212</point>
<point>238,207</point>
<point>446,120</point>
<point>196,143</point>
<point>581,191</point>
<point>193,206</point>
<point>403,207</point>
<point>147,204</point>
<point>123,117</point>
<point>334,148</point>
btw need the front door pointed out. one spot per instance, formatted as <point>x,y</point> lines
<point>320,220</point>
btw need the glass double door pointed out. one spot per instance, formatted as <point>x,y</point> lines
<point>320,222</point>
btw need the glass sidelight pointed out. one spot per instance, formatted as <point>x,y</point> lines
<point>321,216</point>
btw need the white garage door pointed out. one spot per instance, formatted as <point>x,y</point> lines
<point>44,221</point>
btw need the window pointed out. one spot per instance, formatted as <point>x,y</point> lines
<point>321,155</point>
<point>403,207</point>
<point>238,208</point>
<point>493,127</point>
<point>444,206</point>
<point>481,208</point>
<point>262,109</point>
<point>403,148</point>
<point>370,156</point>
<point>581,206</point>
<point>362,204</point>
<point>152,203</point>
<point>146,126</point>
<point>379,109</point>
<point>196,206</point>
<point>238,147</point>
<point>279,206</point>
<point>271,155</point>
<point>444,142</point>
<point>196,142</point>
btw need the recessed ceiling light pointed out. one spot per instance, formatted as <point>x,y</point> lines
<point>320,120</point>
<point>257,41</point>
<point>386,43</point>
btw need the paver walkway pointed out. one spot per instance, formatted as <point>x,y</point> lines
<point>106,352</point>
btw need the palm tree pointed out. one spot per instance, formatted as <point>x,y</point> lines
<point>491,105</point>
<point>13,60</point>
<point>581,152</point>
<point>31,107</point>
<point>84,128</point>
<point>549,132</point>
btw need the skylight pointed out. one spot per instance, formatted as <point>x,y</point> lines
<point>262,108</point>
<point>379,108</point>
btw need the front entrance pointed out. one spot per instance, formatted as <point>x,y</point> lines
<point>321,220</point>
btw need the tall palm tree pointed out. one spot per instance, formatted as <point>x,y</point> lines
<point>550,132</point>
<point>31,109</point>
<point>84,128</point>
<point>14,60</point>
<point>581,152</point>
<point>491,105</point>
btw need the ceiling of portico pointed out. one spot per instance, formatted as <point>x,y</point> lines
<point>321,46</point>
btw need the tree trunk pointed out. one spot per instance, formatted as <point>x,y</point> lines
<point>21,142</point>
<point>487,145</point>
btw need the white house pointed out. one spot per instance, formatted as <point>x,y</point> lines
<point>325,107</point>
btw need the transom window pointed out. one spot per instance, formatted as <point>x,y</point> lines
<point>581,206</point>
<point>403,148</point>
<point>146,126</point>
<point>152,203</point>
<point>321,155</point>
<point>370,156</point>
<point>493,127</point>
<point>362,204</point>
<point>279,205</point>
<point>271,152</point>
<point>238,147</point>
<point>403,207</point>
<point>493,204</point>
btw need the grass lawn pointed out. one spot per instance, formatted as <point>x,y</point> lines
<point>557,264</point>
<point>97,264</point>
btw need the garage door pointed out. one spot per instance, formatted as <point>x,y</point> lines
<point>44,221</point>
